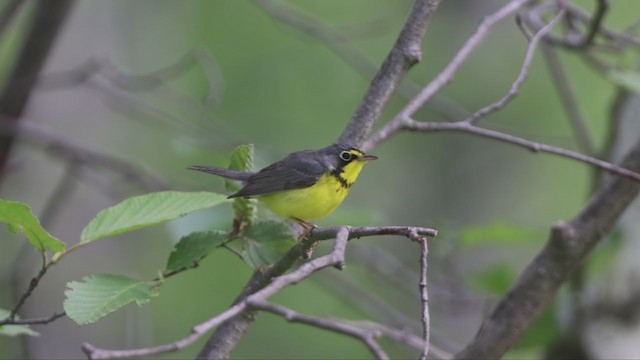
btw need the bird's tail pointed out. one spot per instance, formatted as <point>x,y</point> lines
<point>225,173</point>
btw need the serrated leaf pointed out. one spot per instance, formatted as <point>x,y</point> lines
<point>146,210</point>
<point>628,79</point>
<point>14,330</point>
<point>497,233</point>
<point>193,248</point>
<point>242,159</point>
<point>102,294</point>
<point>22,221</point>
<point>496,280</point>
<point>266,242</point>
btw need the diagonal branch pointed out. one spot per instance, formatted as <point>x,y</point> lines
<point>340,44</point>
<point>367,337</point>
<point>41,321</point>
<point>47,20</point>
<point>405,53</point>
<point>263,285</point>
<point>568,244</point>
<point>445,76</point>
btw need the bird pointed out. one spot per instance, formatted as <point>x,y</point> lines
<point>304,186</point>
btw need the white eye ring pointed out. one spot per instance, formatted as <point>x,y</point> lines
<point>346,156</point>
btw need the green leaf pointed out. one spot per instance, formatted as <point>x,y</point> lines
<point>146,210</point>
<point>242,159</point>
<point>100,295</point>
<point>14,330</point>
<point>628,79</point>
<point>193,248</point>
<point>497,233</point>
<point>266,242</point>
<point>22,221</point>
<point>496,280</point>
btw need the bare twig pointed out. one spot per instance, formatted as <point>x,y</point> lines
<point>367,337</point>
<point>445,76</point>
<point>405,122</point>
<point>340,44</point>
<point>266,283</point>
<point>405,53</point>
<point>596,22</point>
<point>32,285</point>
<point>533,19</point>
<point>42,321</point>
<point>522,74</point>
<point>335,258</point>
<point>461,126</point>
<point>568,244</point>
<point>424,294</point>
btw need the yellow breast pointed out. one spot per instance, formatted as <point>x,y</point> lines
<point>316,201</point>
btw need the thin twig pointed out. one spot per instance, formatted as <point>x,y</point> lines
<point>446,75</point>
<point>41,321</point>
<point>521,142</point>
<point>32,285</point>
<point>424,295</point>
<point>340,44</point>
<point>367,337</point>
<point>335,259</point>
<point>522,74</point>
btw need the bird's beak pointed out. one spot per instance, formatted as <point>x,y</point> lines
<point>367,157</point>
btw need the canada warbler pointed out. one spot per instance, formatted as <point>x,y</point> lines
<point>304,186</point>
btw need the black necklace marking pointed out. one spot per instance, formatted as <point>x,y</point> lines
<point>337,173</point>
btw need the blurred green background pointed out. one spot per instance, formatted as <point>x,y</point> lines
<point>284,90</point>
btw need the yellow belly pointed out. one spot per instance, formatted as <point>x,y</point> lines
<point>310,203</point>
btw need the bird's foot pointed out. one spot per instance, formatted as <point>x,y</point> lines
<point>307,227</point>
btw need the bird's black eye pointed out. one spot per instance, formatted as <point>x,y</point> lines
<point>346,156</point>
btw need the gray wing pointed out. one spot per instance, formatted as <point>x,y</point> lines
<point>292,172</point>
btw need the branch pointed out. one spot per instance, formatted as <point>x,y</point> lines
<point>461,126</point>
<point>424,294</point>
<point>567,246</point>
<point>404,336</point>
<point>46,22</point>
<point>522,74</point>
<point>405,53</point>
<point>404,122</point>
<point>41,321</point>
<point>261,286</point>
<point>339,43</point>
<point>367,337</point>
<point>445,76</point>
<point>335,258</point>
<point>32,285</point>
